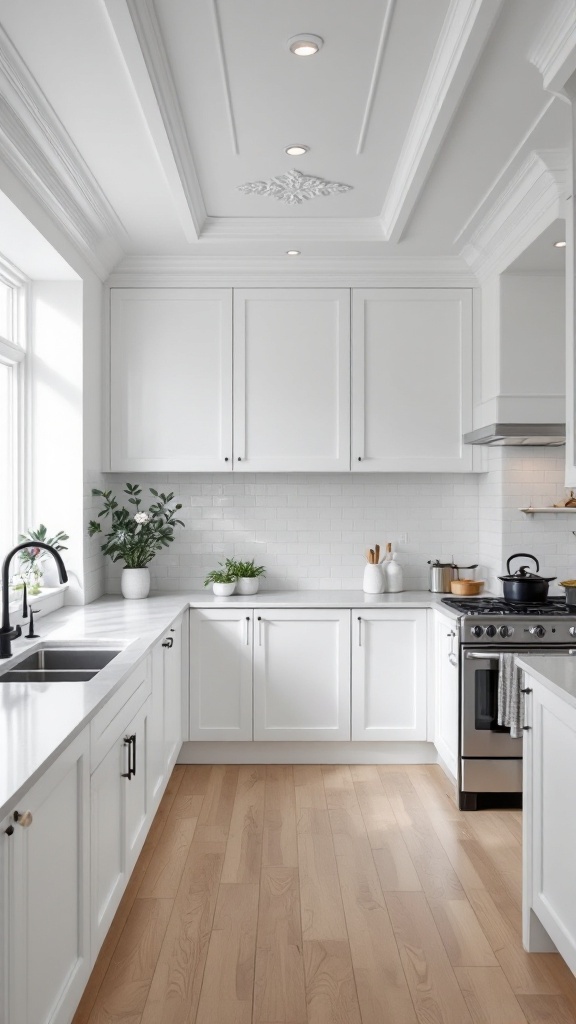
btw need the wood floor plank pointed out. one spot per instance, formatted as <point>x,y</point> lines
<point>280,846</point>
<point>433,985</point>
<point>547,1010</point>
<point>165,869</point>
<point>279,987</point>
<point>382,990</point>
<point>227,988</point>
<point>219,797</point>
<point>463,938</point>
<point>393,862</point>
<point>320,896</point>
<point>124,990</point>
<point>436,874</point>
<point>474,870</point>
<point>309,787</point>
<point>330,987</point>
<point>175,989</point>
<point>195,779</point>
<point>116,928</point>
<point>489,996</point>
<point>244,846</point>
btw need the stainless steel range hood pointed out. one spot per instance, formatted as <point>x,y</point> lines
<point>519,434</point>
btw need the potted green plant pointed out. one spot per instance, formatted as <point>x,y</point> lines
<point>32,569</point>
<point>223,580</point>
<point>247,574</point>
<point>135,536</point>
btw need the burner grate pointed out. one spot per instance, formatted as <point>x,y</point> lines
<point>498,606</point>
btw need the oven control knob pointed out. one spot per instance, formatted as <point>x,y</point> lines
<point>572,630</point>
<point>506,631</point>
<point>538,631</point>
<point>490,630</point>
<point>477,630</point>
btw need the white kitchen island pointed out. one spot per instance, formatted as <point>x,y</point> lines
<point>549,830</point>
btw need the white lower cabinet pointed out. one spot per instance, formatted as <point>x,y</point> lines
<point>46,889</point>
<point>549,823</point>
<point>447,677</point>
<point>165,735</point>
<point>389,674</point>
<point>302,674</point>
<point>119,809</point>
<point>221,674</point>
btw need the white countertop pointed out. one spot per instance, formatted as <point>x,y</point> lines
<point>557,673</point>
<point>37,720</point>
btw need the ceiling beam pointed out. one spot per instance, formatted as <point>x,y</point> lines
<point>137,30</point>
<point>464,33</point>
<point>554,52</point>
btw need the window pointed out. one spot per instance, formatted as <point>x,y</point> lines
<point>12,355</point>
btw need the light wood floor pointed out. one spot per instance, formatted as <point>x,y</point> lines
<point>324,895</point>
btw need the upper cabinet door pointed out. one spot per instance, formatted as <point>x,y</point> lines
<point>171,379</point>
<point>292,379</point>
<point>411,379</point>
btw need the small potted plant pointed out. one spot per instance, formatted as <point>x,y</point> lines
<point>247,575</point>
<point>223,580</point>
<point>32,568</point>
<point>135,536</point>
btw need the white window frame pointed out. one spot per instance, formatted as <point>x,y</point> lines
<point>13,353</point>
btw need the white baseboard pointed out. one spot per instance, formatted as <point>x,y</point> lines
<point>307,752</point>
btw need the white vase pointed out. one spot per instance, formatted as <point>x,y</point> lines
<point>223,589</point>
<point>135,583</point>
<point>373,580</point>
<point>247,585</point>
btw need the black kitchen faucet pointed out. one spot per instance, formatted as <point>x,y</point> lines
<point>7,633</point>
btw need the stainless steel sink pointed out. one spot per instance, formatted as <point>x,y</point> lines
<point>60,665</point>
<point>40,675</point>
<point>67,658</point>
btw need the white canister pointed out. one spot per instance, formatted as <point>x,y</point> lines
<point>394,576</point>
<point>135,583</point>
<point>373,580</point>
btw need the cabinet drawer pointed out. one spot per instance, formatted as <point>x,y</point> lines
<point>118,712</point>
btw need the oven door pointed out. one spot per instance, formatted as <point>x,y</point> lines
<point>481,736</point>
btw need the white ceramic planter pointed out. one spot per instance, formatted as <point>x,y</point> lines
<point>247,585</point>
<point>223,589</point>
<point>135,583</point>
<point>373,580</point>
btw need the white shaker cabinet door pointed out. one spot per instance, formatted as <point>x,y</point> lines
<point>446,690</point>
<point>411,379</point>
<point>389,678</point>
<point>49,893</point>
<point>221,674</point>
<point>291,379</point>
<point>302,674</point>
<point>171,379</point>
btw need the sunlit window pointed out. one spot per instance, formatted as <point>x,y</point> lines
<point>11,389</point>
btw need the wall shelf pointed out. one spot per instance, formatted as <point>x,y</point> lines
<point>531,511</point>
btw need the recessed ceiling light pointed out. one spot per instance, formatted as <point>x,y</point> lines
<point>305,45</point>
<point>296,150</point>
<point>293,252</point>
<point>557,245</point>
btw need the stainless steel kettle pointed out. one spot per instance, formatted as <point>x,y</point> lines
<point>442,574</point>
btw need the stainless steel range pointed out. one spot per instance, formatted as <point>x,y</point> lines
<point>490,761</point>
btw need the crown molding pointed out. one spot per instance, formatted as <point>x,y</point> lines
<point>137,30</point>
<point>533,199</point>
<point>554,52</point>
<point>36,147</point>
<point>225,77</point>
<point>283,271</point>
<point>465,31</point>
<point>382,44</point>
<point>290,229</point>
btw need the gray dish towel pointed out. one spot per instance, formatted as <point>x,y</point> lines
<point>510,700</point>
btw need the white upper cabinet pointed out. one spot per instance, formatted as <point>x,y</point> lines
<point>411,379</point>
<point>171,379</point>
<point>292,379</point>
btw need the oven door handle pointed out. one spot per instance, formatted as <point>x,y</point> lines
<point>477,656</point>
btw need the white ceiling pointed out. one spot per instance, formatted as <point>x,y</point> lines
<point>425,108</point>
<point>542,255</point>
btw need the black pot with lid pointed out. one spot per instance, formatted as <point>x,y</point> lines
<point>523,586</point>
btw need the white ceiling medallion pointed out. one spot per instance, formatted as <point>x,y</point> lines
<point>293,187</point>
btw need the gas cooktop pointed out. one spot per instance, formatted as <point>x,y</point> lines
<point>498,606</point>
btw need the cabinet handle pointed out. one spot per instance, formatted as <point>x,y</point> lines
<point>168,642</point>
<point>526,727</point>
<point>359,631</point>
<point>24,819</point>
<point>247,630</point>
<point>226,459</point>
<point>130,742</point>
<point>10,830</point>
<point>259,631</point>
<point>359,458</point>
<point>527,689</point>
